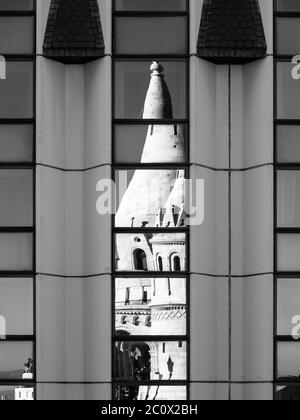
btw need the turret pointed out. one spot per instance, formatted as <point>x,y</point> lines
<point>149,190</point>
<point>158,103</point>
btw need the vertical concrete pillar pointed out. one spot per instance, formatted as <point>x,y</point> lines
<point>73,256</point>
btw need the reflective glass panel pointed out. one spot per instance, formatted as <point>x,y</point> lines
<point>151,35</point>
<point>145,361</point>
<point>159,302</point>
<point>132,81</point>
<point>138,252</point>
<point>150,393</point>
<point>13,358</point>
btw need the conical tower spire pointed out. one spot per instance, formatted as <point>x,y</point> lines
<point>149,190</point>
<point>158,103</point>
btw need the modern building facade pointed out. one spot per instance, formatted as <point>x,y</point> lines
<point>149,303</point>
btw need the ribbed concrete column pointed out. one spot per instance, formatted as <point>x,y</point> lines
<point>232,252</point>
<point>73,256</point>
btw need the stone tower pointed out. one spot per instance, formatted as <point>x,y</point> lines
<point>149,190</point>
<point>155,198</point>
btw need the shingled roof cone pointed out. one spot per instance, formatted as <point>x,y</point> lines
<point>231,32</point>
<point>74,33</point>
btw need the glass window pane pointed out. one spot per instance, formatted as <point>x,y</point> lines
<point>169,142</point>
<point>288,393</point>
<point>132,82</point>
<point>16,35</point>
<point>16,251</point>
<point>140,252</point>
<point>145,361</point>
<point>288,36</point>
<point>288,305</point>
<point>16,143</point>
<point>288,361</point>
<point>288,144</point>
<point>288,92</point>
<point>16,4</point>
<point>16,306</point>
<point>16,197</point>
<point>16,92</point>
<point>159,302</point>
<point>288,5</point>
<point>288,198</point>
<point>146,393</point>
<point>151,5</point>
<point>153,198</point>
<point>151,35</point>
<point>16,393</point>
<point>13,357</point>
<point>288,252</point>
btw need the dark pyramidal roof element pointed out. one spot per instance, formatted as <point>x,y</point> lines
<point>231,31</point>
<point>74,33</point>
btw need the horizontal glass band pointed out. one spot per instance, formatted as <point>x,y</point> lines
<point>150,5</point>
<point>288,5</point>
<point>17,392</point>
<point>151,360</point>
<point>151,35</point>
<point>149,392</point>
<point>16,361</point>
<point>151,143</point>
<point>16,5</point>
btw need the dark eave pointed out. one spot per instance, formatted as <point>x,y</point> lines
<point>74,33</point>
<point>231,32</point>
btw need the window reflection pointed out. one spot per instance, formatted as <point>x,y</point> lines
<point>148,245</point>
<point>151,35</point>
<point>151,5</point>
<point>16,197</point>
<point>16,305</point>
<point>160,303</point>
<point>288,92</point>
<point>132,82</point>
<point>287,5</point>
<point>145,361</point>
<point>153,198</point>
<point>16,361</point>
<point>16,143</point>
<point>16,4</point>
<point>16,393</point>
<point>150,393</point>
<point>16,251</point>
<point>16,35</point>
<point>288,144</point>
<point>130,142</point>
<point>288,305</point>
<point>288,198</point>
<point>288,361</point>
<point>16,92</point>
<point>288,35</point>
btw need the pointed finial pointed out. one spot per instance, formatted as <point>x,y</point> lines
<point>158,103</point>
<point>156,68</point>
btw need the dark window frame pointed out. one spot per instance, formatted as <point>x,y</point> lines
<point>117,166</point>
<point>279,275</point>
<point>31,274</point>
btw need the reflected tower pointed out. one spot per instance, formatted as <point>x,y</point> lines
<point>155,198</point>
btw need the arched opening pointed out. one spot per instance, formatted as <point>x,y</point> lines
<point>136,321</point>
<point>140,260</point>
<point>127,296</point>
<point>132,361</point>
<point>160,264</point>
<point>124,319</point>
<point>176,263</point>
<point>145,296</point>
